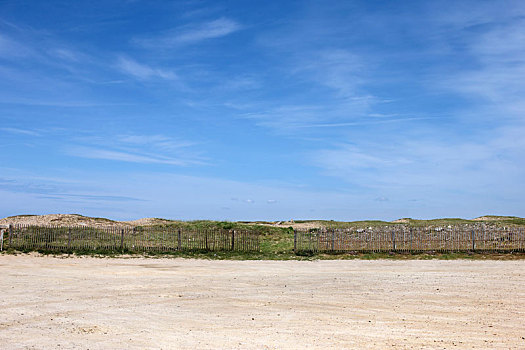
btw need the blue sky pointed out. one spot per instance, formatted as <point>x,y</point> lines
<point>270,110</point>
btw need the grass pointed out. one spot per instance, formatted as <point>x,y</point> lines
<point>491,219</point>
<point>276,243</point>
<point>284,255</point>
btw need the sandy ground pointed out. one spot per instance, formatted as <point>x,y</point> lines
<point>76,220</point>
<point>140,303</point>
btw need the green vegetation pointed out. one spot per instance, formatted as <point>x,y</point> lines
<point>276,243</point>
<point>286,255</point>
<point>487,219</point>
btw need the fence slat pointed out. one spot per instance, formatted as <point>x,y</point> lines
<point>71,238</point>
<point>411,239</point>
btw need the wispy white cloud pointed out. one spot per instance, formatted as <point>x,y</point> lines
<point>10,48</point>
<point>338,69</point>
<point>96,153</point>
<point>335,78</point>
<point>293,118</point>
<point>67,54</point>
<point>143,71</point>
<point>190,34</point>
<point>208,30</point>
<point>145,149</point>
<point>474,153</point>
<point>157,141</point>
<point>67,197</point>
<point>320,78</point>
<point>491,39</point>
<point>28,132</point>
<point>60,189</point>
<point>363,122</point>
<point>153,194</point>
<point>430,164</point>
<point>42,69</point>
<point>236,83</point>
<point>287,118</point>
<point>58,103</point>
<point>26,44</point>
<point>349,158</point>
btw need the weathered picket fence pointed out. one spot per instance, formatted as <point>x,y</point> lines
<point>129,239</point>
<point>411,239</point>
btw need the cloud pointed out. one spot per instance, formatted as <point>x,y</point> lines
<point>235,83</point>
<point>191,34</point>
<point>360,122</point>
<point>292,119</point>
<point>142,71</point>
<point>475,63</point>
<point>360,156</point>
<point>155,194</point>
<point>21,131</point>
<point>476,56</point>
<point>97,153</point>
<point>160,142</point>
<point>287,117</point>
<point>56,189</point>
<point>423,163</point>
<point>209,30</point>
<point>499,72</point>
<point>133,148</point>
<point>338,69</point>
<point>67,54</point>
<point>10,48</point>
<point>91,197</point>
<point>33,186</point>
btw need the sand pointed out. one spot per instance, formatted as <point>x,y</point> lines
<point>146,303</point>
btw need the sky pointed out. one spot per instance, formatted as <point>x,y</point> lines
<point>252,110</point>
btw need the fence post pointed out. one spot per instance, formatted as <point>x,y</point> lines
<point>295,241</point>
<point>473,240</point>
<point>122,239</point>
<point>411,238</point>
<point>10,234</point>
<point>394,239</point>
<point>333,239</point>
<point>179,239</point>
<point>69,238</point>
<point>233,239</point>
<point>318,241</point>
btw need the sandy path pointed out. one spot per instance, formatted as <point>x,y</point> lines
<point>90,303</point>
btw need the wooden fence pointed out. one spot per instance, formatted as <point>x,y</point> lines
<point>129,239</point>
<point>411,239</point>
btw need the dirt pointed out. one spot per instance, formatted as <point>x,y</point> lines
<point>494,218</point>
<point>77,220</point>
<point>297,225</point>
<point>80,220</point>
<point>59,220</point>
<point>402,221</point>
<point>149,222</point>
<point>146,303</point>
